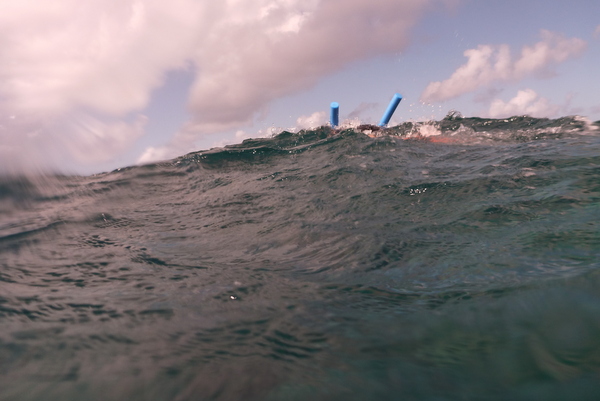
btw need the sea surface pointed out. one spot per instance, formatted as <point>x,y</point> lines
<point>449,260</point>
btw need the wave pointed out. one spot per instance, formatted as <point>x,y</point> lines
<point>421,261</point>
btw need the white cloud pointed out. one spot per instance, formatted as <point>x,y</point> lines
<point>316,119</point>
<point>487,64</point>
<point>152,154</point>
<point>74,74</point>
<point>104,55</point>
<point>526,102</point>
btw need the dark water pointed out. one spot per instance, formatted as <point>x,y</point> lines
<point>313,266</point>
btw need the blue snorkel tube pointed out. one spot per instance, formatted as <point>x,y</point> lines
<point>390,110</point>
<point>334,115</point>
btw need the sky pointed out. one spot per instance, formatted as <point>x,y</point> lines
<point>87,87</point>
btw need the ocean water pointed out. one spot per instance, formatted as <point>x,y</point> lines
<point>452,260</point>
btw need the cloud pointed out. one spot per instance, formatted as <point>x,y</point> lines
<point>597,32</point>
<point>75,75</point>
<point>152,154</point>
<point>316,119</point>
<point>103,59</point>
<point>526,102</point>
<point>488,64</point>
<point>105,55</point>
